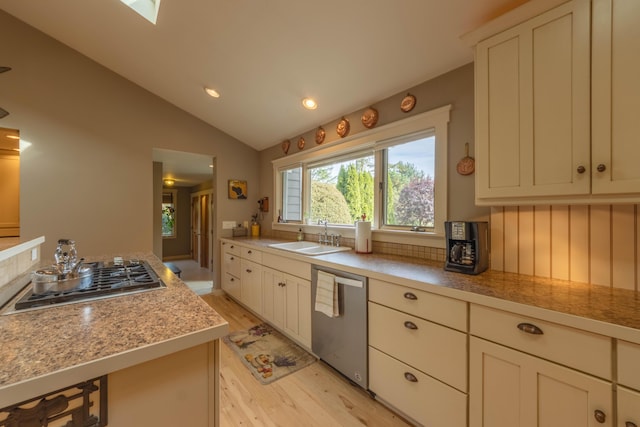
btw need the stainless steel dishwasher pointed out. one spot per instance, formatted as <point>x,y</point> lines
<point>341,341</point>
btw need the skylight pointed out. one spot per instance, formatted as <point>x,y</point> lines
<point>148,9</point>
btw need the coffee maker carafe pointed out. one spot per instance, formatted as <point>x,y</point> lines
<point>467,246</point>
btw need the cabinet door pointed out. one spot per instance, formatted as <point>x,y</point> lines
<point>251,285</point>
<point>532,107</point>
<point>616,96</point>
<point>298,309</point>
<point>628,408</point>
<point>510,388</point>
<point>273,296</point>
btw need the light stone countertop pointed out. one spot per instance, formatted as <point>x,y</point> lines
<point>47,349</point>
<point>598,309</point>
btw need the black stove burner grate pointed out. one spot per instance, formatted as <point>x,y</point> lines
<point>107,280</point>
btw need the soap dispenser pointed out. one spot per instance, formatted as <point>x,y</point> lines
<point>300,235</point>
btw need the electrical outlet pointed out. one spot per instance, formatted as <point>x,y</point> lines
<point>227,225</point>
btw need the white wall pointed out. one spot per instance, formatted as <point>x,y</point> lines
<point>88,174</point>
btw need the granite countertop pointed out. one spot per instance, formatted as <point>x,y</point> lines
<point>46,349</point>
<point>599,309</point>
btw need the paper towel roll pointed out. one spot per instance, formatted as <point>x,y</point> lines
<point>364,245</point>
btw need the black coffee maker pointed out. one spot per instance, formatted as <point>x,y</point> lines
<point>467,246</point>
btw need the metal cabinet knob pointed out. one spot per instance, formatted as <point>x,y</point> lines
<point>530,328</point>
<point>410,295</point>
<point>410,377</point>
<point>248,270</point>
<point>410,325</point>
<point>599,416</point>
<point>601,167</point>
<point>249,251</point>
<point>581,169</point>
<point>232,258</point>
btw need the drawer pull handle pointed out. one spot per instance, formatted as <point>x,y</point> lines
<point>232,246</point>
<point>599,416</point>
<point>232,279</point>
<point>530,329</point>
<point>581,169</point>
<point>410,377</point>
<point>248,270</point>
<point>281,284</point>
<point>232,258</point>
<point>410,325</point>
<point>411,296</point>
<point>630,424</point>
<point>249,251</point>
<point>601,168</point>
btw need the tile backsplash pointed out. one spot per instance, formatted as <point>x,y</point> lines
<point>597,244</point>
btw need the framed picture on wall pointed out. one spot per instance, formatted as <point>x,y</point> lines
<point>237,189</point>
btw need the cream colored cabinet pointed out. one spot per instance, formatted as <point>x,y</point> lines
<point>251,285</point>
<point>417,358</point>
<point>628,408</point>
<point>286,299</point>
<point>510,388</point>
<point>628,379</point>
<point>616,96</point>
<point>231,269</point>
<point>532,107</point>
<point>273,296</point>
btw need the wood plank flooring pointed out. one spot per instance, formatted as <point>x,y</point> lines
<point>312,396</point>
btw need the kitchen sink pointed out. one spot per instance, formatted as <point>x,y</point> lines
<point>308,248</point>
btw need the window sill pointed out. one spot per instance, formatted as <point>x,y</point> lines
<point>418,238</point>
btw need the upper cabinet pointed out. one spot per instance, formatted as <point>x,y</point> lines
<point>540,136</point>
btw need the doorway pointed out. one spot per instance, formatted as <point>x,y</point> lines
<point>202,228</point>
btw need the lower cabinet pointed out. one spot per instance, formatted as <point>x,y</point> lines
<point>508,388</point>
<point>286,303</point>
<point>251,285</point>
<point>419,396</point>
<point>628,408</point>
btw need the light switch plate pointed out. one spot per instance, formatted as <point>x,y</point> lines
<point>227,225</point>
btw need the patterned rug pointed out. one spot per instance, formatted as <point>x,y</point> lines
<point>267,353</point>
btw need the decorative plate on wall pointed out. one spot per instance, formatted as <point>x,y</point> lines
<point>320,134</point>
<point>370,118</point>
<point>408,102</point>
<point>343,127</point>
<point>300,143</point>
<point>285,146</point>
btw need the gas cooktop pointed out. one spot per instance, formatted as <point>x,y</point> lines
<point>108,280</point>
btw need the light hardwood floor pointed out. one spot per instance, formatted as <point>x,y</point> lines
<point>312,396</point>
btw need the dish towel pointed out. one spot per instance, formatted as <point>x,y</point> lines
<point>327,295</point>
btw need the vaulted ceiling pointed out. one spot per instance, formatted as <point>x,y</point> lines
<point>264,56</point>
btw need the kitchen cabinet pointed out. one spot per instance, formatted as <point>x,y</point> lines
<point>528,372</point>
<point>251,285</point>
<point>510,388</point>
<point>532,107</point>
<point>628,408</point>
<point>615,96</point>
<point>556,105</point>
<point>286,297</point>
<point>628,358</point>
<point>417,358</point>
<point>231,269</point>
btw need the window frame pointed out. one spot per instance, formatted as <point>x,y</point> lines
<point>376,140</point>
<point>174,197</point>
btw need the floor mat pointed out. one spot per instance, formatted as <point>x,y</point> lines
<point>267,353</point>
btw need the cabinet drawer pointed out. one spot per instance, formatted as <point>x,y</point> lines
<point>251,254</point>
<point>232,264</point>
<point>433,349</point>
<point>446,311</point>
<point>231,285</point>
<point>628,358</point>
<point>294,267</point>
<point>231,248</point>
<point>426,400</point>
<point>581,350</point>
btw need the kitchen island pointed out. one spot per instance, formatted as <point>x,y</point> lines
<point>158,348</point>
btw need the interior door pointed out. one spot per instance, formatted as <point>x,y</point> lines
<point>195,225</point>
<point>204,230</point>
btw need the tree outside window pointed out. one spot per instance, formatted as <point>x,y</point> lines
<point>169,206</point>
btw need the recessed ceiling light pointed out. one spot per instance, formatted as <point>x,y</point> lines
<point>212,92</point>
<point>309,104</point>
